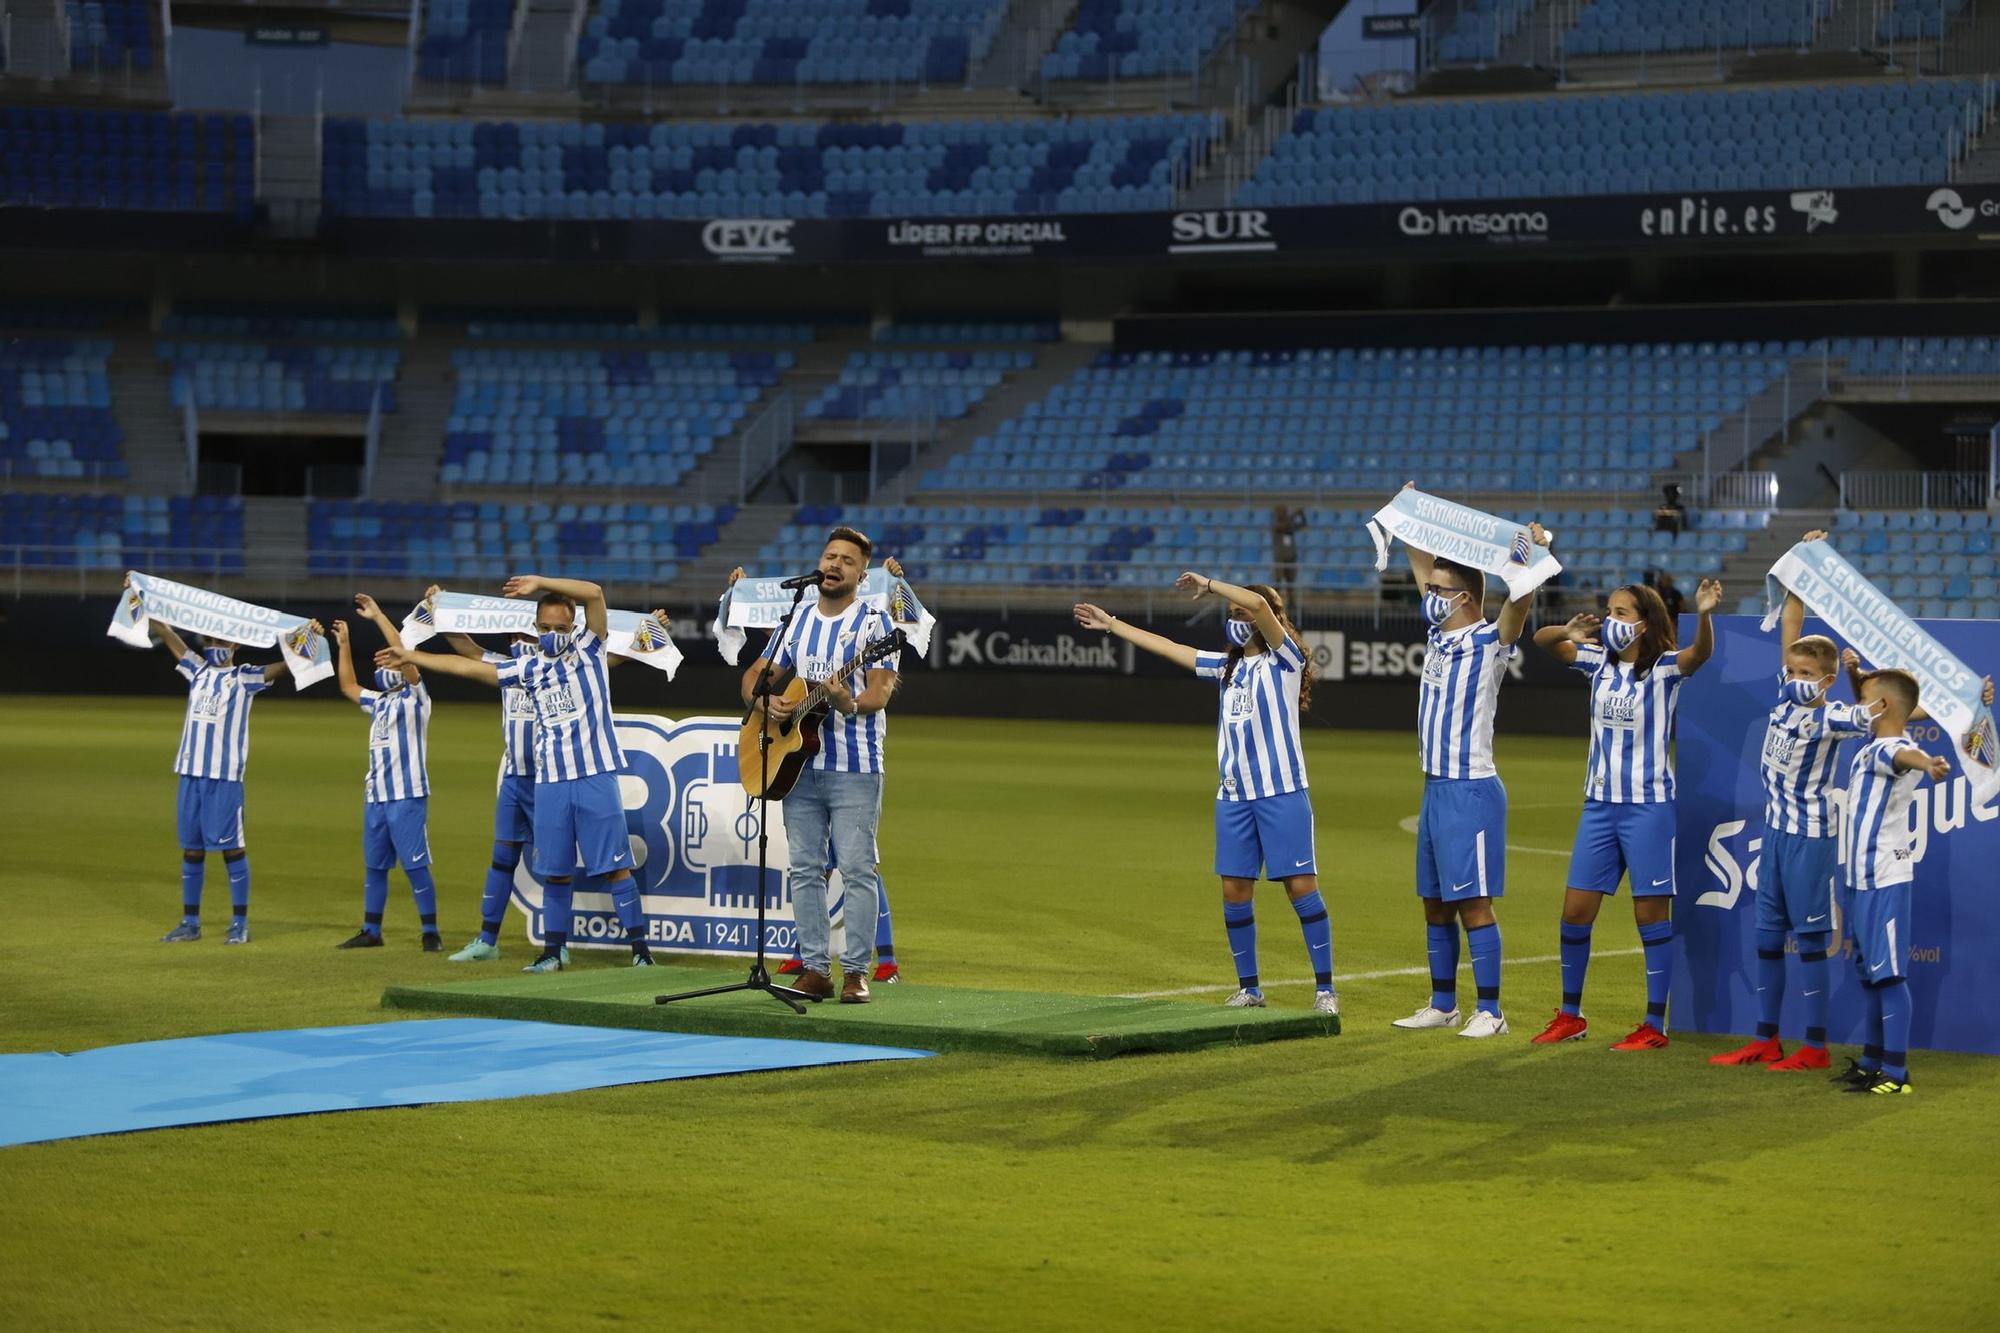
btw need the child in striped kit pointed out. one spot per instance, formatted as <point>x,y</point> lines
<point>1628,810</point>
<point>1881,781</point>
<point>398,784</point>
<point>1799,863</point>
<point>1263,815</point>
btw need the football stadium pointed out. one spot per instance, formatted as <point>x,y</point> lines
<point>982,664</point>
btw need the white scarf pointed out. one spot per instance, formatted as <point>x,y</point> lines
<point>1493,545</point>
<point>214,616</point>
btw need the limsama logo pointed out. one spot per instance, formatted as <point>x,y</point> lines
<point>1950,209</point>
<point>733,238</point>
<point>1817,205</point>
<point>1414,221</point>
<point>1731,874</point>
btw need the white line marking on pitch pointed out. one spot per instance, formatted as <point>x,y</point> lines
<point>1409,825</point>
<point>1361,976</point>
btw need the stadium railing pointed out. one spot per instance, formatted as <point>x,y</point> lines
<point>1862,489</point>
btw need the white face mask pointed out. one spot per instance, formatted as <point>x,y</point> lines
<point>1620,634</point>
<point>1239,631</point>
<point>1439,608</point>
<point>1802,692</point>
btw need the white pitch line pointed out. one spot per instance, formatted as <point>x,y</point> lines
<point>1359,976</point>
<point>1409,825</point>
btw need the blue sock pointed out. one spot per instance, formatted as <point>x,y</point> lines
<point>425,890</point>
<point>1240,921</point>
<point>192,874</point>
<point>885,942</point>
<point>374,897</point>
<point>1441,947</point>
<point>625,898</point>
<point>1813,947</point>
<point>1659,941</point>
<point>558,901</point>
<point>1319,937</point>
<point>238,871</point>
<point>499,888</point>
<point>1575,953</point>
<point>1770,980</point>
<point>1893,998</point>
<point>1871,1022</point>
<point>1484,945</point>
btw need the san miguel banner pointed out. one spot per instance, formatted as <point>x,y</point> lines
<point>1955,841</point>
<point>1695,220</point>
<point>694,842</point>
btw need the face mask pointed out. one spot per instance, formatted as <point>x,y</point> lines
<point>1438,608</point>
<point>386,681</point>
<point>555,643</point>
<point>1802,691</point>
<point>1874,710</point>
<point>217,657</point>
<point>1239,631</point>
<point>1620,634</point>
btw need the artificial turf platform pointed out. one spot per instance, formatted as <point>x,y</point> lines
<point>938,1018</point>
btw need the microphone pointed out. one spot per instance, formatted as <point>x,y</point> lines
<point>812,580</point>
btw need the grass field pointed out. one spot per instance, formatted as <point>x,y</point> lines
<point>1376,1179</point>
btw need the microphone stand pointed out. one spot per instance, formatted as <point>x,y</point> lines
<point>760,976</point>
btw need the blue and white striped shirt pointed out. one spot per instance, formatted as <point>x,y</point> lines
<point>517,717</point>
<point>1257,748</point>
<point>1631,726</point>
<point>1881,845</point>
<point>815,646</point>
<point>1460,695</point>
<point>575,733</point>
<point>1801,754</point>
<point>215,737</point>
<point>398,736</point>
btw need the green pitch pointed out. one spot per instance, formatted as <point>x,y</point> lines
<point>1378,1178</point>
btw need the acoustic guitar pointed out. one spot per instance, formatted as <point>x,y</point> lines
<point>794,741</point>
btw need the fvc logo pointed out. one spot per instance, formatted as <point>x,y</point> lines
<point>1950,209</point>
<point>731,238</point>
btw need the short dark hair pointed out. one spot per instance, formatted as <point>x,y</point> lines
<point>843,533</point>
<point>1473,579</point>
<point>1895,682</point>
<point>557,599</point>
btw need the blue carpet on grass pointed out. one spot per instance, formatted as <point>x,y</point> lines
<point>248,1075</point>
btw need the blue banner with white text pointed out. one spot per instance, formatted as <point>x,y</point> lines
<point>1955,841</point>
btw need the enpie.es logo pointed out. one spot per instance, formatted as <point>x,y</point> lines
<point>1950,209</point>
<point>1817,205</point>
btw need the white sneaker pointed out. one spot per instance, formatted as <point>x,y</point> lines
<point>1326,1002</point>
<point>1483,1024</point>
<point>1428,1017</point>
<point>1245,999</point>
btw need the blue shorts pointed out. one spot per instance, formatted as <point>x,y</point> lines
<point>210,814</point>
<point>581,822</point>
<point>393,831</point>
<point>1879,924</point>
<point>514,810</point>
<point>1274,833</point>
<point>1616,838</point>
<point>1795,879</point>
<point>1462,839</point>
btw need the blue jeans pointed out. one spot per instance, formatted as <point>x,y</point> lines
<point>845,807</point>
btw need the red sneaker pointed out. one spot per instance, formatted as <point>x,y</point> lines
<point>1645,1037</point>
<point>1563,1027</point>
<point>791,967</point>
<point>1805,1057</point>
<point>888,973</point>
<point>1762,1051</point>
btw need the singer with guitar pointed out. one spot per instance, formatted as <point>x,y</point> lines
<point>837,793</point>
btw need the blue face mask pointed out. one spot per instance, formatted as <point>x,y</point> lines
<point>1239,631</point>
<point>1438,608</point>
<point>1620,634</point>
<point>217,657</point>
<point>1801,692</point>
<point>555,643</point>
